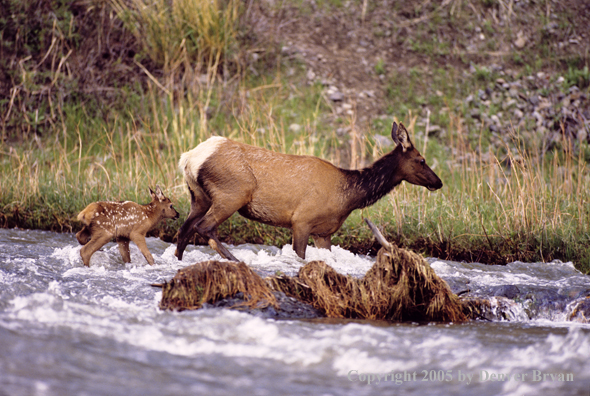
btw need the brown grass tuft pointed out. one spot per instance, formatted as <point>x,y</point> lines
<point>211,281</point>
<point>401,286</point>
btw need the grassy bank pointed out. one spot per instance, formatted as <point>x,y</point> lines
<point>501,201</point>
<point>534,209</point>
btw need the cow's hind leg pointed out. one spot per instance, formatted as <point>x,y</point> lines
<point>216,215</point>
<point>200,204</point>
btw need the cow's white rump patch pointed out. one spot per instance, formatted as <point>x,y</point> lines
<point>191,161</point>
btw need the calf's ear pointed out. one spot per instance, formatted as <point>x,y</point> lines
<point>159,194</point>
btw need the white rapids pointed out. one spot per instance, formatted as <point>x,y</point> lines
<point>66,329</point>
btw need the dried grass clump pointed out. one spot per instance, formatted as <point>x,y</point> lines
<point>401,286</point>
<point>211,281</point>
<point>321,286</point>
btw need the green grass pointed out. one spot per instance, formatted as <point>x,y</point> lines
<point>180,33</point>
<point>529,207</point>
<point>535,210</point>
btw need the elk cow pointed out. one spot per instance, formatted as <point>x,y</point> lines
<point>307,194</point>
<point>123,221</point>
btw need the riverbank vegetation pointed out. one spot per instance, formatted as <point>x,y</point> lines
<point>95,105</point>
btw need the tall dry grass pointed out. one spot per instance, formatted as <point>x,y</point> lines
<point>525,205</point>
<point>504,203</point>
<point>202,32</point>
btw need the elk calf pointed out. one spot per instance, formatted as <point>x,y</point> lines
<point>123,221</point>
<point>307,194</point>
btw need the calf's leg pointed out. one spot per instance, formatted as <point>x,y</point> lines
<point>139,240</point>
<point>83,236</point>
<point>124,249</point>
<point>96,242</point>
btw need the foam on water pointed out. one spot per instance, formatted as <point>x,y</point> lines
<point>224,332</point>
<point>555,273</point>
<point>54,308</point>
<point>269,259</point>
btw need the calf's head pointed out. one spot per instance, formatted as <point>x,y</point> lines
<point>163,205</point>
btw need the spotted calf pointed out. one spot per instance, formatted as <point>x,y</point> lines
<point>124,221</point>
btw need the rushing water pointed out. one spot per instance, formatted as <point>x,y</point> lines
<point>66,329</point>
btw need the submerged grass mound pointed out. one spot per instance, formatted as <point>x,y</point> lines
<point>401,286</point>
<point>211,281</point>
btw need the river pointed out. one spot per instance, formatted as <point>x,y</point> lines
<point>66,329</point>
